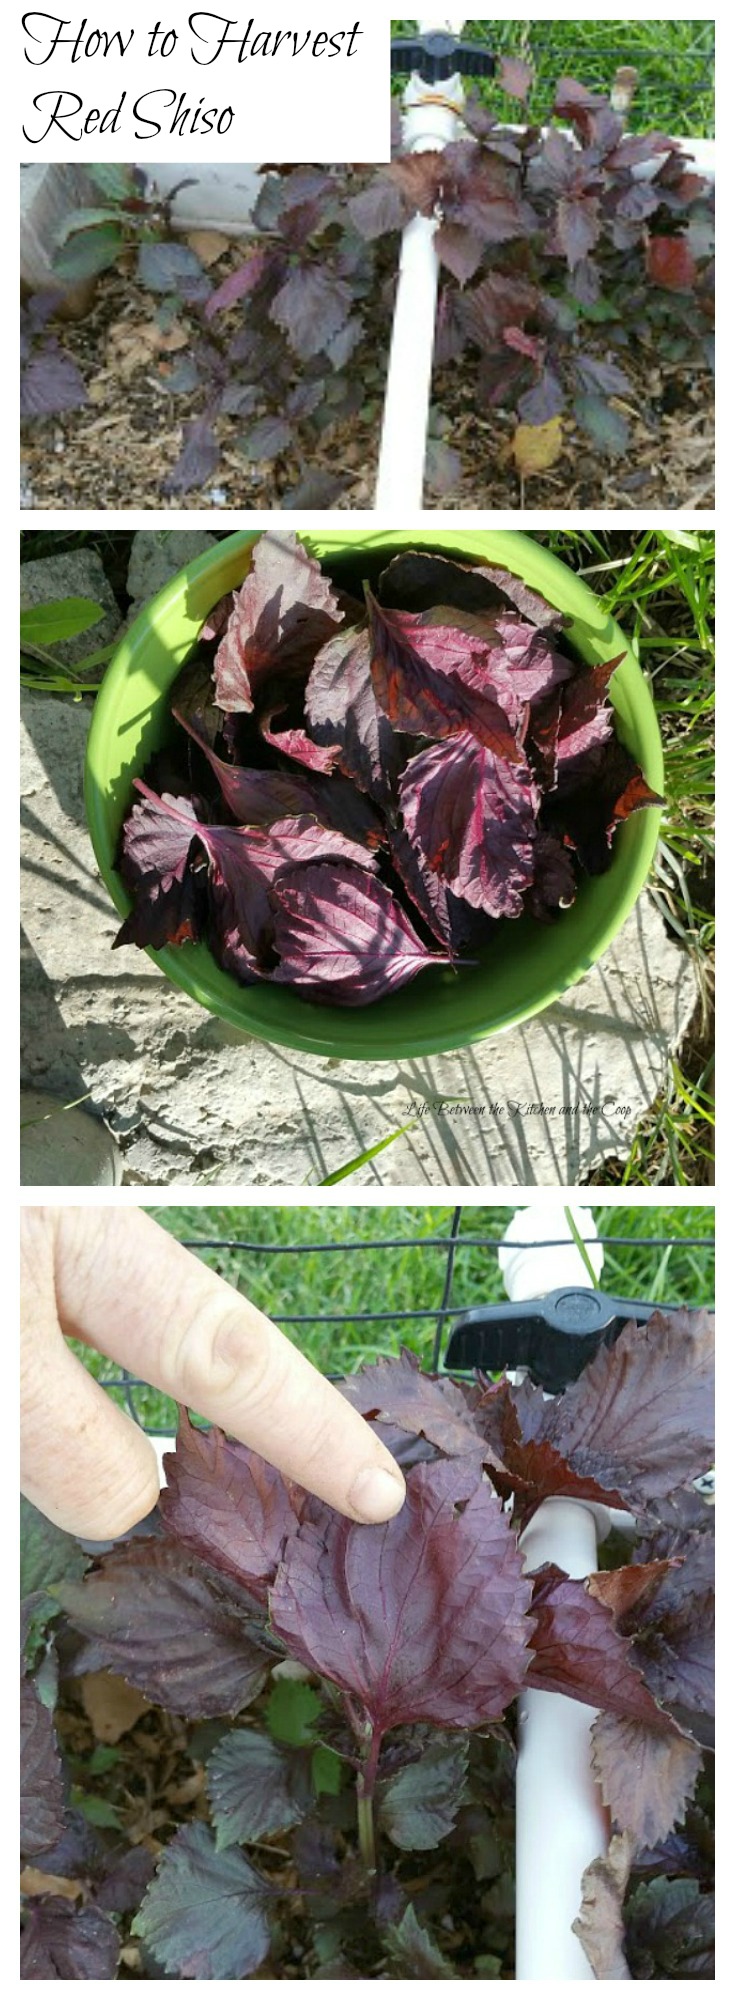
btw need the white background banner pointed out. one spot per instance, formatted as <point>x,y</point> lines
<point>230,82</point>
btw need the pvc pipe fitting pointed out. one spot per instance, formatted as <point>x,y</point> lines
<point>534,1269</point>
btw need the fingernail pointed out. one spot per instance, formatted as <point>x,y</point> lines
<point>377,1494</point>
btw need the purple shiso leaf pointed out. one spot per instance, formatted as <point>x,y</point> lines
<point>482,636</point>
<point>342,709</point>
<point>529,602</point>
<point>569,721</point>
<point>42,1782</point>
<point>341,935</point>
<point>175,1629</point>
<point>298,744</point>
<point>554,884</point>
<point>672,1623</point>
<point>542,738</point>
<point>51,383</point>
<point>646,1775</point>
<point>515,77</point>
<point>579,1652</point>
<point>398,1392</point>
<point>217,620</point>
<point>245,863</point>
<point>641,1414</point>
<point>195,707</point>
<point>444,914</point>
<point>157,840</point>
<point>164,829</point>
<point>228,1505</point>
<point>242,864</point>
<point>198,459</point>
<point>61,1942</point>
<point>239,283</point>
<point>416,581</point>
<point>283,613</point>
<point>257,798</point>
<point>586,711</point>
<point>524,666</point>
<point>423,1618</point>
<point>474,818</point>
<point>460,249</point>
<point>605,787</point>
<point>311,308</point>
<point>424,672</point>
<point>205,1915</point>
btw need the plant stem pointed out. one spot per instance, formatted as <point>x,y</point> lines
<point>365,1805</point>
<point>366,1827</point>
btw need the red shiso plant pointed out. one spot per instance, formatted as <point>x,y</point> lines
<point>573,262</point>
<point>359,1819</point>
<point>360,788</point>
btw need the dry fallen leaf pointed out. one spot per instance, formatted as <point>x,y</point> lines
<point>189,1789</point>
<point>208,245</point>
<point>170,341</point>
<point>537,446</point>
<point>143,1821</point>
<point>130,347</point>
<point>133,345</point>
<point>130,1956</point>
<point>33,1882</point>
<point>600,1926</point>
<point>112,1706</point>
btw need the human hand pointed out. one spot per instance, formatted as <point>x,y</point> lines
<point>113,1278</point>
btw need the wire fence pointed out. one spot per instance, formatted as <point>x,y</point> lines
<point>674,61</point>
<point>448,1294</point>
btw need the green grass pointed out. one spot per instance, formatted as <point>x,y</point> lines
<point>344,1282</point>
<point>660,587</point>
<point>674,59</point>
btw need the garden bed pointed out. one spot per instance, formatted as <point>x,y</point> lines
<point>117,452</point>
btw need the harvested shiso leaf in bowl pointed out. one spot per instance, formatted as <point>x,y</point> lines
<point>380,765</point>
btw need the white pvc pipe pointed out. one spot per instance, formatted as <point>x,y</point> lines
<point>400,483</point>
<point>561,1823</point>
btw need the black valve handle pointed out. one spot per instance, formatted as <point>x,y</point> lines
<point>437,56</point>
<point>553,1337</point>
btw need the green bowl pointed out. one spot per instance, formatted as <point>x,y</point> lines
<point>528,965</point>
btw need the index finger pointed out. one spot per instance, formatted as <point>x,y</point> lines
<point>125,1286</point>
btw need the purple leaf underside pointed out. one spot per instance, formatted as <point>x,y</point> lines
<point>340,934</point>
<point>473,816</point>
<point>282,614</point>
<point>228,1506</point>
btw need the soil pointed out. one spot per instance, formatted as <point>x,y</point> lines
<point>117,452</point>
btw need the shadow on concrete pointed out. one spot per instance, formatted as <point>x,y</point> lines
<point>63,763</point>
<point>95,895</point>
<point>49,1056</point>
<point>495,1149</point>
